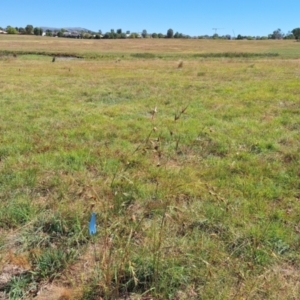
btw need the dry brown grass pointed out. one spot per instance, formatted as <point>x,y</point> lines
<point>57,45</point>
<point>54,292</point>
<point>279,282</point>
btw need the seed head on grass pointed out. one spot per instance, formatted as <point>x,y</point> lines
<point>153,112</point>
<point>178,115</point>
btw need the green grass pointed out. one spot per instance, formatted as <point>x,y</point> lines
<point>199,200</point>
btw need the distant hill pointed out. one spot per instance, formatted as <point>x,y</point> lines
<point>79,29</point>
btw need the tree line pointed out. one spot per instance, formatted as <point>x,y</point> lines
<point>119,34</point>
<point>112,34</point>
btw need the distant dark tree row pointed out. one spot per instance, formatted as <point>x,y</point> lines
<point>18,30</point>
<point>275,35</point>
<point>119,34</point>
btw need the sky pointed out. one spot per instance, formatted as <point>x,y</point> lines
<point>192,17</point>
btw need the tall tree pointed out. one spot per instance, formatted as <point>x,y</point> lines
<point>170,33</point>
<point>133,35</point>
<point>49,32</point>
<point>11,30</point>
<point>144,33</point>
<point>61,32</point>
<point>277,34</point>
<point>29,29</point>
<point>38,31</point>
<point>289,36</point>
<point>296,33</point>
<point>113,34</point>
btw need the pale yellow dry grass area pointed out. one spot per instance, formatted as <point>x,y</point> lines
<point>185,46</point>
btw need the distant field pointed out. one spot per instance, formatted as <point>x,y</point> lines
<point>286,48</point>
<point>190,162</point>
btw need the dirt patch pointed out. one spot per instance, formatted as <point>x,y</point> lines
<point>53,292</point>
<point>3,296</point>
<point>287,279</point>
<point>280,282</point>
<point>67,58</point>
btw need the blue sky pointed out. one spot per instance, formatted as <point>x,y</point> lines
<point>193,17</point>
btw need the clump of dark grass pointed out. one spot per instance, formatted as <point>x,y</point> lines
<point>19,287</point>
<point>43,53</point>
<point>51,262</point>
<point>143,55</point>
<point>201,73</point>
<point>236,54</point>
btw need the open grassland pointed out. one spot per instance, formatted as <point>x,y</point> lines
<point>196,199</point>
<point>159,47</point>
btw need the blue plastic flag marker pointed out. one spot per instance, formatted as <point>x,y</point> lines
<point>92,224</point>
